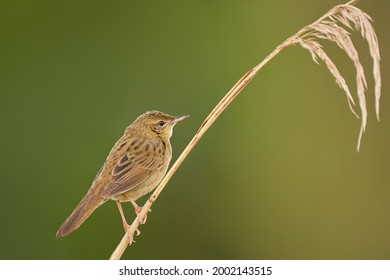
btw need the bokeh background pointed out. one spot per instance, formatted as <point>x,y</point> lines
<point>276,177</point>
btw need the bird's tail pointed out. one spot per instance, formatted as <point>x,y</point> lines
<point>86,206</point>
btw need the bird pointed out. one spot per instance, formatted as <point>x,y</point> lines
<point>134,167</point>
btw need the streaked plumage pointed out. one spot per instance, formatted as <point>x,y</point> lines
<point>136,164</point>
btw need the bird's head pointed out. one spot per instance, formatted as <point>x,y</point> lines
<point>156,124</point>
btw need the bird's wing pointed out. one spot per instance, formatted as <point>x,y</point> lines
<point>143,158</point>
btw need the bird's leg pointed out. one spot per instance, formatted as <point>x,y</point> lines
<point>137,209</point>
<point>125,224</point>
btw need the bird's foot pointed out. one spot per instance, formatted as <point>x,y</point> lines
<point>138,212</point>
<point>129,234</point>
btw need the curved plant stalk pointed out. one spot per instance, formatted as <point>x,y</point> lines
<point>331,26</point>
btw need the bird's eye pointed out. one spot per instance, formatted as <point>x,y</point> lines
<point>161,123</point>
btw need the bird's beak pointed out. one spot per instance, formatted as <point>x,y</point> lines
<point>179,118</point>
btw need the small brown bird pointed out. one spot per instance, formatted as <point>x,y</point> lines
<point>135,166</point>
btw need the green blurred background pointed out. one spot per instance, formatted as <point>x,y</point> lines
<point>276,177</point>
